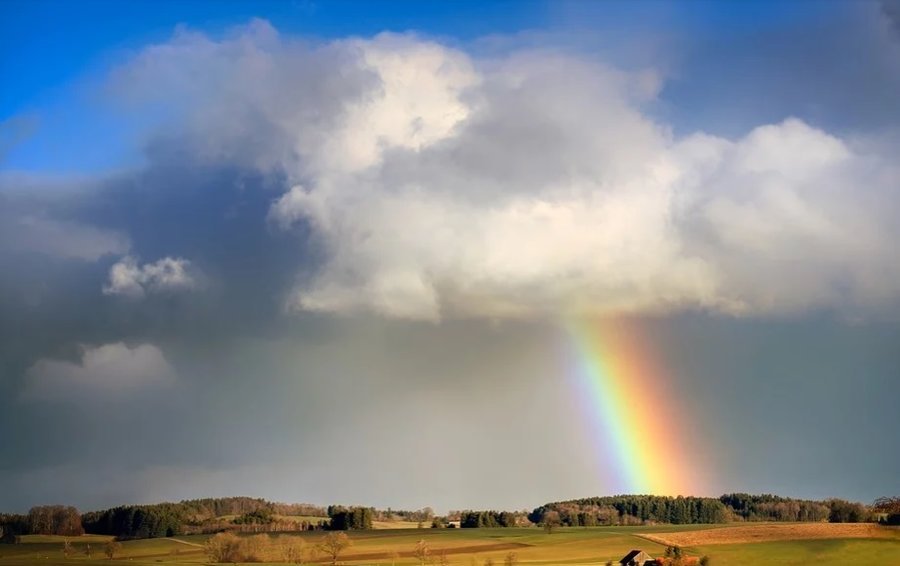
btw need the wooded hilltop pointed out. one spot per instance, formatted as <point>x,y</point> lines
<point>246,514</point>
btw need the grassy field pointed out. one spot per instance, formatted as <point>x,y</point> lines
<point>470,547</point>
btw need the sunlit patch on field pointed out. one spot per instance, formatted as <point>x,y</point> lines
<point>733,545</point>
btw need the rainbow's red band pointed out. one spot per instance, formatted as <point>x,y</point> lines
<point>636,408</point>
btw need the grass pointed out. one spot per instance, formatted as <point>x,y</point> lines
<point>822,552</point>
<point>470,547</point>
<point>770,532</point>
<point>92,539</point>
<point>381,525</point>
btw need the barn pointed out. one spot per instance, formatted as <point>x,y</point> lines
<point>637,558</point>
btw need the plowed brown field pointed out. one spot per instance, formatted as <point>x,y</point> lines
<point>434,552</point>
<point>772,532</point>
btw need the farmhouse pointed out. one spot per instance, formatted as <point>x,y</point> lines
<point>637,558</point>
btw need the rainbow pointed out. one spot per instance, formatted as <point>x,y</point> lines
<point>633,411</point>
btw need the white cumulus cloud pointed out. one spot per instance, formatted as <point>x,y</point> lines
<point>108,370</point>
<point>127,277</point>
<point>439,184</point>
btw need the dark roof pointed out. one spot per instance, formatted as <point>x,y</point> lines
<point>631,556</point>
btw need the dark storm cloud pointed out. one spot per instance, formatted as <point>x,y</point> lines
<point>891,11</point>
<point>51,306</point>
<point>293,405</point>
<point>53,269</point>
<point>833,64</point>
<point>254,392</point>
<point>790,406</point>
<point>838,68</point>
<point>199,198</point>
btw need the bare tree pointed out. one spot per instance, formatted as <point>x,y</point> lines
<point>112,548</point>
<point>67,548</point>
<point>292,549</point>
<point>887,505</point>
<point>422,552</point>
<point>54,520</point>
<point>333,544</point>
<point>550,522</point>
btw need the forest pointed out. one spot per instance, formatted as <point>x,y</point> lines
<point>644,509</point>
<point>245,514</point>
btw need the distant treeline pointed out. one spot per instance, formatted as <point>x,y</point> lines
<point>43,520</point>
<point>195,515</point>
<point>419,516</point>
<point>350,518</point>
<point>488,519</point>
<point>137,521</point>
<point>199,510</point>
<point>206,515</point>
<point>209,515</point>
<point>641,509</point>
<point>774,508</point>
<point>245,514</point>
<point>163,519</point>
<point>11,526</point>
<point>630,510</point>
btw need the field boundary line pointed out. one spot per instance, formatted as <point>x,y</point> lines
<point>184,542</point>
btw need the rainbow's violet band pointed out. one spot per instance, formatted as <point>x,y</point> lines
<point>632,408</point>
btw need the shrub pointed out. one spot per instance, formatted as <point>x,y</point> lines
<point>224,547</point>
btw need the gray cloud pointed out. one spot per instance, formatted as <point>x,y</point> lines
<point>837,67</point>
<point>60,238</point>
<point>510,190</point>
<point>891,11</point>
<point>107,370</point>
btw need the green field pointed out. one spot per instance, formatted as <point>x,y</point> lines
<point>468,547</point>
<point>831,552</point>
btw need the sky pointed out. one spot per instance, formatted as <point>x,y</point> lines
<point>334,252</point>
